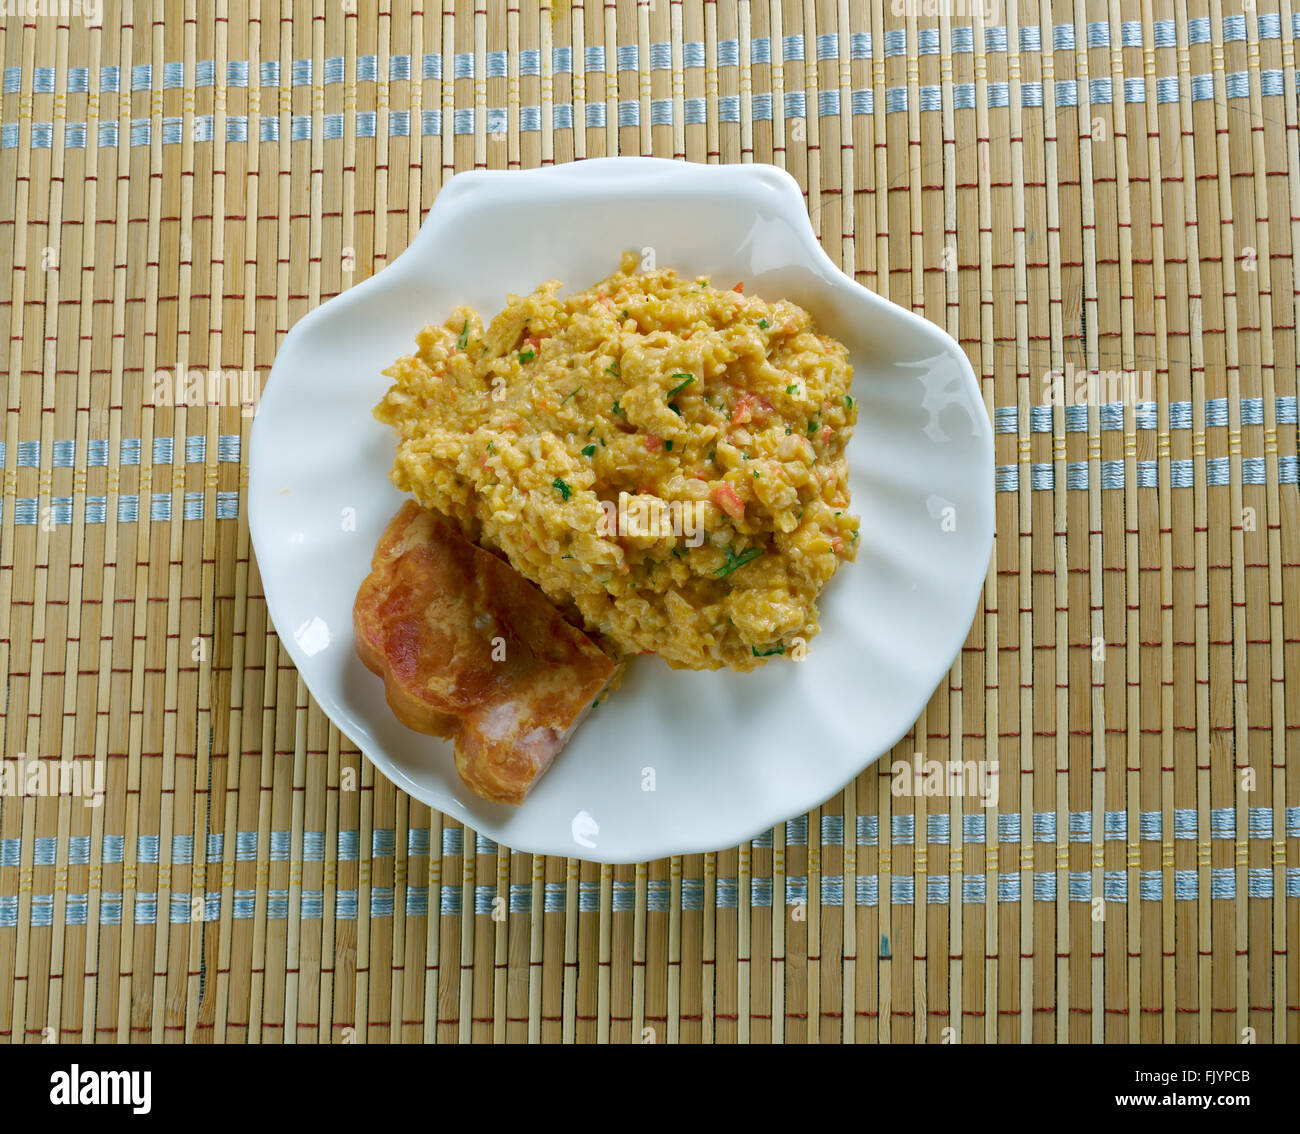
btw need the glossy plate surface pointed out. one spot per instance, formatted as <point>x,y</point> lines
<point>728,754</point>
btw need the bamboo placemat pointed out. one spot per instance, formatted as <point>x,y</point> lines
<point>1099,186</point>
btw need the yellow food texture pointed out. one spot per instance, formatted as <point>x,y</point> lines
<point>719,419</point>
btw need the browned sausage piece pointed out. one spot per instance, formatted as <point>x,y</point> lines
<point>469,649</point>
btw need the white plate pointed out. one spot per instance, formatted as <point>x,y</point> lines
<point>728,754</point>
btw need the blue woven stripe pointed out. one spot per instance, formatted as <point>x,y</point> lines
<point>466,119</point>
<point>1046,886</point>
<point>335,70</point>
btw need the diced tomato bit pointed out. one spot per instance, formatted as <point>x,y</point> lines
<point>653,443</point>
<point>533,341</point>
<point>740,287</point>
<point>743,409</point>
<point>837,542</point>
<point>726,498</point>
<point>826,433</point>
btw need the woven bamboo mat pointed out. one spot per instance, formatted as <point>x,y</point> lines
<point>1104,186</point>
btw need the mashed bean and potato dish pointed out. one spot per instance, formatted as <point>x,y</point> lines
<point>663,458</point>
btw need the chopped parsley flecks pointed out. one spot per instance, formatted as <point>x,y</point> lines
<point>763,324</point>
<point>682,385</point>
<point>675,408</point>
<point>562,488</point>
<point>617,409</point>
<point>735,561</point>
<point>612,368</point>
<point>777,649</point>
<point>464,336</point>
<point>571,394</point>
<point>848,402</point>
<point>526,355</point>
<point>589,450</point>
<point>668,445</point>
